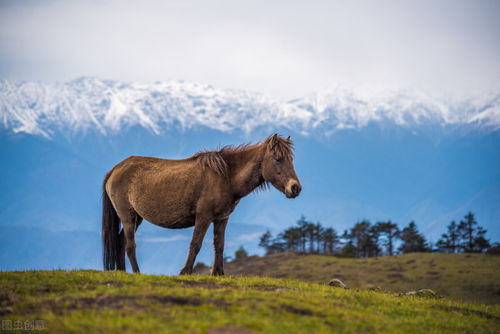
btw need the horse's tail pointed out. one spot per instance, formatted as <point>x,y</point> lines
<point>110,230</point>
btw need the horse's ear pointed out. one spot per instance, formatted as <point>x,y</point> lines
<point>273,141</point>
<point>288,138</point>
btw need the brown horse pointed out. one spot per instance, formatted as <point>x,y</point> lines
<point>196,191</point>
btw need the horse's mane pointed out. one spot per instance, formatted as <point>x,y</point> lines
<point>214,159</point>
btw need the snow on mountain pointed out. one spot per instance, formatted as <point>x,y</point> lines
<point>107,106</point>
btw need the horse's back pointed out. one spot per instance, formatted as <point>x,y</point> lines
<point>138,169</point>
<point>163,191</point>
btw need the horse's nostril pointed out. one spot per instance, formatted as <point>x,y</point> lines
<point>295,189</point>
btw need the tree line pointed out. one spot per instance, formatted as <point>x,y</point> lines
<point>366,239</point>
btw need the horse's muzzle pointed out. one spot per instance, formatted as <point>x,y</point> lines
<point>294,190</point>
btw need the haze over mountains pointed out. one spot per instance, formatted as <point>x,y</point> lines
<point>402,156</point>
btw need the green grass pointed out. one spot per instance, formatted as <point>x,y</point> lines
<point>117,302</point>
<point>462,277</point>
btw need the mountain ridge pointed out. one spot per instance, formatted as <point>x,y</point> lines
<point>108,106</point>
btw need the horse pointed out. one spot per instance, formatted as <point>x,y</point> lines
<point>196,191</point>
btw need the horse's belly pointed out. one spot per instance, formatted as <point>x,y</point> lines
<point>184,223</point>
<point>172,220</point>
<point>169,216</point>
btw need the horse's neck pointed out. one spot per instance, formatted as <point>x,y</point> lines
<point>245,168</point>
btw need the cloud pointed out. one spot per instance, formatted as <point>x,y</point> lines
<point>249,236</point>
<point>280,49</point>
<point>163,239</point>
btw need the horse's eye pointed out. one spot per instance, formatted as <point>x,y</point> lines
<point>278,159</point>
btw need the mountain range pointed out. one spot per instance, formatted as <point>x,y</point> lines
<point>109,106</point>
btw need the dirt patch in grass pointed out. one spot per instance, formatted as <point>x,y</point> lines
<point>397,268</point>
<point>395,275</point>
<point>7,299</point>
<point>44,289</point>
<point>301,311</point>
<point>50,289</point>
<point>136,302</point>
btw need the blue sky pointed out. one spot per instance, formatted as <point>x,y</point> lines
<point>282,48</point>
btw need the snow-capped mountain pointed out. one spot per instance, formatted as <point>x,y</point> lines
<point>107,106</point>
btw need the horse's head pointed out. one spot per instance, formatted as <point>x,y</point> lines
<point>277,166</point>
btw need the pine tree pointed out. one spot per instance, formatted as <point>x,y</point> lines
<point>389,231</point>
<point>449,242</point>
<point>291,238</point>
<point>265,241</point>
<point>363,238</point>
<point>412,240</point>
<point>472,237</point>
<point>302,225</point>
<point>310,230</point>
<point>481,244</point>
<point>467,228</point>
<point>349,250</point>
<point>318,234</point>
<point>330,240</point>
<point>278,245</point>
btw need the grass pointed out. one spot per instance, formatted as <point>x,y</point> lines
<point>462,277</point>
<point>117,302</point>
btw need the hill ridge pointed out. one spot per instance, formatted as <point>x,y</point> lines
<point>464,276</point>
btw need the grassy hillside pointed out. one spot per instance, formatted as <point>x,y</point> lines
<point>464,277</point>
<point>117,302</point>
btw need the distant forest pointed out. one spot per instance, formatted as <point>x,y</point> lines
<point>366,239</point>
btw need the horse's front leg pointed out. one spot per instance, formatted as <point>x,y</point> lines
<point>219,232</point>
<point>200,228</point>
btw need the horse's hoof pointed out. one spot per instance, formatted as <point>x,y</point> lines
<point>185,272</point>
<point>217,272</point>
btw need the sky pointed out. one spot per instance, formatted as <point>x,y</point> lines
<point>286,49</point>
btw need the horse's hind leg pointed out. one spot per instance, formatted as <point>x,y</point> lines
<point>121,250</point>
<point>130,225</point>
